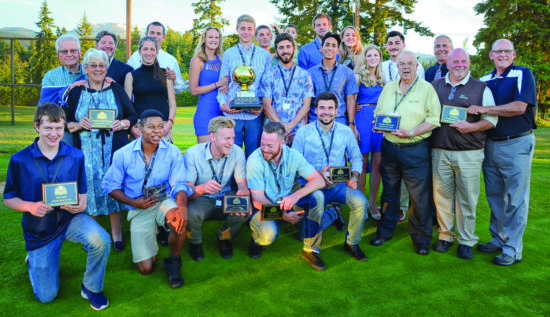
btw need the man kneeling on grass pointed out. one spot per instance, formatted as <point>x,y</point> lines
<point>147,175</point>
<point>48,161</point>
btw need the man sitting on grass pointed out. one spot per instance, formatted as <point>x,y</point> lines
<point>48,160</point>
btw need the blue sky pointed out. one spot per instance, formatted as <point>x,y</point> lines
<point>454,18</point>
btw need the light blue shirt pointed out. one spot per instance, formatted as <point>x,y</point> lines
<point>61,77</point>
<point>310,55</point>
<point>273,87</point>
<point>127,171</point>
<point>260,175</point>
<point>231,59</point>
<point>199,172</point>
<point>308,143</point>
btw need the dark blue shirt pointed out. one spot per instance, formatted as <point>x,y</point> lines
<point>429,76</point>
<point>24,181</point>
<point>118,70</point>
<point>517,83</point>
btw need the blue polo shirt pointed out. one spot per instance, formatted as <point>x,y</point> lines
<point>517,83</point>
<point>24,181</point>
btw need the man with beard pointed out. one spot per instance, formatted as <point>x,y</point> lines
<point>107,42</point>
<point>286,89</point>
<point>442,46</point>
<point>310,54</point>
<point>321,134</point>
<point>271,172</point>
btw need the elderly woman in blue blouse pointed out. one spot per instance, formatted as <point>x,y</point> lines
<point>98,145</point>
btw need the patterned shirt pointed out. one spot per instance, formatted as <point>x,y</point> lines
<point>256,57</point>
<point>273,86</point>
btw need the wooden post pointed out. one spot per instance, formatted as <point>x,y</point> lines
<point>128,29</point>
<point>357,12</point>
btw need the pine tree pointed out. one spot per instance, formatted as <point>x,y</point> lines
<point>84,30</point>
<point>210,13</point>
<point>44,56</point>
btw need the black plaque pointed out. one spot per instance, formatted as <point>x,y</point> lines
<point>451,114</point>
<point>236,204</point>
<point>340,174</point>
<point>159,191</point>
<point>271,212</point>
<point>246,101</point>
<point>386,123</point>
<point>60,194</point>
<point>101,118</point>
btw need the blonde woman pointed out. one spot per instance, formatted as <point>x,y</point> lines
<point>350,48</point>
<point>203,80</point>
<point>370,80</point>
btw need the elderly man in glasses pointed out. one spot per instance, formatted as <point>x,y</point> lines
<point>457,153</point>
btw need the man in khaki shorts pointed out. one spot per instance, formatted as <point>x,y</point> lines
<point>148,176</point>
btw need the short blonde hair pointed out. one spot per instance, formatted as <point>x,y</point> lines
<point>246,18</point>
<point>221,122</point>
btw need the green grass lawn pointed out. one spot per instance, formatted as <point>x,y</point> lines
<point>394,282</point>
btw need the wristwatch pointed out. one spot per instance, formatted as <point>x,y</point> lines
<point>411,136</point>
<point>355,177</point>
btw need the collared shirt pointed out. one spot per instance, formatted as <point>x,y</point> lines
<point>260,175</point>
<point>127,171</point>
<point>343,85</point>
<point>310,55</point>
<point>24,181</point>
<point>421,104</point>
<point>338,141</point>
<point>273,86</point>
<point>117,71</point>
<point>165,60</point>
<point>231,59</point>
<point>391,73</point>
<point>198,169</point>
<point>517,83</point>
<point>430,72</point>
<point>56,81</point>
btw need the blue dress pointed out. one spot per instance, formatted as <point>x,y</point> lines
<point>368,97</point>
<point>208,106</point>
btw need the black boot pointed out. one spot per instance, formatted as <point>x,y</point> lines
<point>172,265</point>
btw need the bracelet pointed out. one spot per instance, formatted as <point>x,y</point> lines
<point>216,85</point>
<point>351,123</point>
<point>170,120</point>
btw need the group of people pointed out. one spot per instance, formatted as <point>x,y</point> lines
<point>318,108</point>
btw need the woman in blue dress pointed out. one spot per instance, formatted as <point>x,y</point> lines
<point>98,145</point>
<point>204,80</point>
<point>370,81</point>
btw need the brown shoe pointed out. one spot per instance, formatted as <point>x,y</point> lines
<point>314,260</point>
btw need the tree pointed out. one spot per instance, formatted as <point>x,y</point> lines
<point>43,54</point>
<point>210,13</point>
<point>84,30</point>
<point>527,24</point>
<point>376,18</point>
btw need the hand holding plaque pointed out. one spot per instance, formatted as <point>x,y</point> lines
<point>451,114</point>
<point>340,174</point>
<point>233,204</point>
<point>60,194</point>
<point>271,212</point>
<point>101,118</point>
<point>386,123</point>
<point>244,76</point>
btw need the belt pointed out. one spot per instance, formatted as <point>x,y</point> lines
<point>506,138</point>
<point>405,145</point>
<point>368,104</point>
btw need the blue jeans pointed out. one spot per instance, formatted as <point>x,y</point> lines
<point>345,195</point>
<point>265,232</point>
<point>251,132</point>
<point>507,175</point>
<point>44,262</point>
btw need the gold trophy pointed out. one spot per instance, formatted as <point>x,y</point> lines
<point>244,76</point>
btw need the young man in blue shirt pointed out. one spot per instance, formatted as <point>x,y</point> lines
<point>48,160</point>
<point>310,54</point>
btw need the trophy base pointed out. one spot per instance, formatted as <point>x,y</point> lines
<point>246,103</point>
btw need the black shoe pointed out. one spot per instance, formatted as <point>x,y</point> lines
<point>488,247</point>
<point>162,236</point>
<point>226,248</point>
<point>118,246</point>
<point>314,260</point>
<point>254,250</point>
<point>196,252</point>
<point>505,260</point>
<point>339,222</point>
<point>422,250</point>
<point>378,241</point>
<point>442,246</point>
<point>465,252</point>
<point>355,251</point>
<point>172,265</point>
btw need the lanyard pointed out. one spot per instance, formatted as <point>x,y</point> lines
<point>389,70</point>
<point>56,170</point>
<point>251,58</point>
<point>287,89</point>
<point>96,103</point>
<point>405,95</point>
<point>323,142</point>
<point>148,169</point>
<point>327,88</point>
<point>275,176</point>
<point>219,180</point>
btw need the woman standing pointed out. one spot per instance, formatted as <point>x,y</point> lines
<point>351,47</point>
<point>150,87</point>
<point>203,80</point>
<point>98,145</point>
<point>370,81</point>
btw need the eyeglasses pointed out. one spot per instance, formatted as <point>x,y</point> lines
<point>97,66</point>
<point>452,94</point>
<point>65,52</point>
<point>502,51</point>
<point>410,64</point>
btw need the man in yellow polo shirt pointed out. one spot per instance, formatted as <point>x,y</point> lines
<point>406,153</point>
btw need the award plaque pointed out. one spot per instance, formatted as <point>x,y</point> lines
<point>60,194</point>
<point>271,212</point>
<point>101,118</point>
<point>386,123</point>
<point>244,76</point>
<point>236,204</point>
<point>340,174</point>
<point>159,191</point>
<point>451,114</point>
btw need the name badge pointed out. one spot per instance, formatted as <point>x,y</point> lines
<point>286,104</point>
<point>279,199</point>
